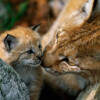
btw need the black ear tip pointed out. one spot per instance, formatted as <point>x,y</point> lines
<point>36,26</point>
<point>8,35</point>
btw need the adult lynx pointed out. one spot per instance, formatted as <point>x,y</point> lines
<point>74,49</point>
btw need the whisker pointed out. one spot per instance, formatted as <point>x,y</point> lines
<point>49,24</point>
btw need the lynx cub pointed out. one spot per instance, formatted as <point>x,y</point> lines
<point>21,48</point>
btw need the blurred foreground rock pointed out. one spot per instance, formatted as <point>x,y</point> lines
<point>91,93</point>
<point>11,86</point>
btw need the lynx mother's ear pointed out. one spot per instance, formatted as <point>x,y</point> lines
<point>36,27</point>
<point>10,42</point>
<point>83,13</point>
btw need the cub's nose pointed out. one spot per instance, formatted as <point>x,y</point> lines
<point>40,57</point>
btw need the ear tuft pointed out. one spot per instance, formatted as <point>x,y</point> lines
<point>10,42</point>
<point>36,27</point>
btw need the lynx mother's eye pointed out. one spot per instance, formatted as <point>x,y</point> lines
<point>64,58</point>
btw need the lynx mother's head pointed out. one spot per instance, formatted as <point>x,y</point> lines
<point>76,45</point>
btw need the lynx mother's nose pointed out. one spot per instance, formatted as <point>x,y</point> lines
<point>48,60</point>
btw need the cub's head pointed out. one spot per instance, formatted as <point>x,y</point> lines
<point>21,47</point>
<point>75,48</point>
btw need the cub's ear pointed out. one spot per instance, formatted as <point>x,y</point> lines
<point>10,42</point>
<point>36,27</point>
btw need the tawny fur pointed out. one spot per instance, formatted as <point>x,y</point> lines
<point>23,62</point>
<point>66,15</point>
<point>74,49</point>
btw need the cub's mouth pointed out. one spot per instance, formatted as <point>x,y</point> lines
<point>36,63</point>
<point>27,63</point>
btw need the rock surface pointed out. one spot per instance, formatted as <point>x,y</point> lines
<point>91,93</point>
<point>11,86</point>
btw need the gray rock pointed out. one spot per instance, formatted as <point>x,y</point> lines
<point>91,93</point>
<point>11,86</point>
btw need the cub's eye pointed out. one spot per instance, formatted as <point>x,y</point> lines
<point>40,46</point>
<point>30,51</point>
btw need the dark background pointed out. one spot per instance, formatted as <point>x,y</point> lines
<point>26,13</point>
